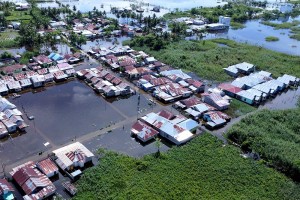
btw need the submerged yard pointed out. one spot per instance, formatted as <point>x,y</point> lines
<point>202,169</point>
<point>207,58</point>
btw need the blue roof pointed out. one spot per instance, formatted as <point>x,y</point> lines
<point>55,56</point>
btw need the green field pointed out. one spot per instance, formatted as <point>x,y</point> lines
<point>8,39</point>
<point>201,169</point>
<point>275,135</point>
<point>207,59</point>
<point>19,16</point>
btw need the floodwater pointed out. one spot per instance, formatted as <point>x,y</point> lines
<point>14,51</point>
<point>105,42</point>
<point>255,33</point>
<point>166,5</point>
<point>286,100</point>
<point>73,109</point>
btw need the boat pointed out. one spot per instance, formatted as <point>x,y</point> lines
<point>15,95</point>
<point>30,117</point>
<point>140,10</point>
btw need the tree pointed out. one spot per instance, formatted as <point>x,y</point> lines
<point>158,145</point>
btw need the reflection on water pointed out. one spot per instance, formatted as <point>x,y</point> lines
<point>285,100</point>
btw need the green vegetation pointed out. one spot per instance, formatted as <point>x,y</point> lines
<point>8,39</point>
<point>238,108</point>
<point>284,25</point>
<point>207,59</point>
<point>201,169</point>
<point>295,33</point>
<point>271,39</point>
<point>236,25</point>
<point>293,26</point>
<point>19,16</point>
<point>275,136</point>
<point>238,12</point>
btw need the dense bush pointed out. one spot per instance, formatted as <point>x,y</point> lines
<point>201,169</point>
<point>207,59</point>
<point>275,135</point>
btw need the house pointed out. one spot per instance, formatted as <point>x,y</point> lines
<point>35,185</point>
<point>261,95</point>
<point>47,167</point>
<point>224,20</point>
<point>265,88</point>
<point>30,74</point>
<point>6,190</point>
<point>142,131</point>
<point>167,129</point>
<point>179,74</point>
<point>53,69</point>
<point>166,114</point>
<point>150,60</point>
<point>3,89</point>
<point>10,126</point>
<point>70,72</point>
<point>248,97</point>
<point>216,100</point>
<point>5,104</point>
<point>55,57</point>
<point>232,71</point>
<point>124,88</point>
<point>42,71</point>
<point>64,66</point>
<point>38,81</point>
<point>110,91</point>
<point>74,155</point>
<point>48,77</point>
<point>14,86</point>
<point>3,133</point>
<point>59,76</point>
<point>13,68</point>
<point>229,89</point>
<point>81,74</point>
<point>215,119</point>
<point>195,86</point>
<point>43,60</point>
<point>288,80</point>
<point>25,83</point>
<point>116,81</point>
<point>189,125</point>
<point>286,7</point>
<point>19,76</point>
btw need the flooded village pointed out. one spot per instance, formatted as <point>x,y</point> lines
<point>86,89</point>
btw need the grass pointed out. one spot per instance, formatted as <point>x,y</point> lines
<point>275,136</point>
<point>284,25</point>
<point>238,108</point>
<point>201,169</point>
<point>19,16</point>
<point>8,39</point>
<point>207,59</point>
<point>295,33</point>
<point>236,25</point>
<point>293,26</point>
<point>272,39</point>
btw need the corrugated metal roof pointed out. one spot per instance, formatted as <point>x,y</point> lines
<point>47,166</point>
<point>63,160</point>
